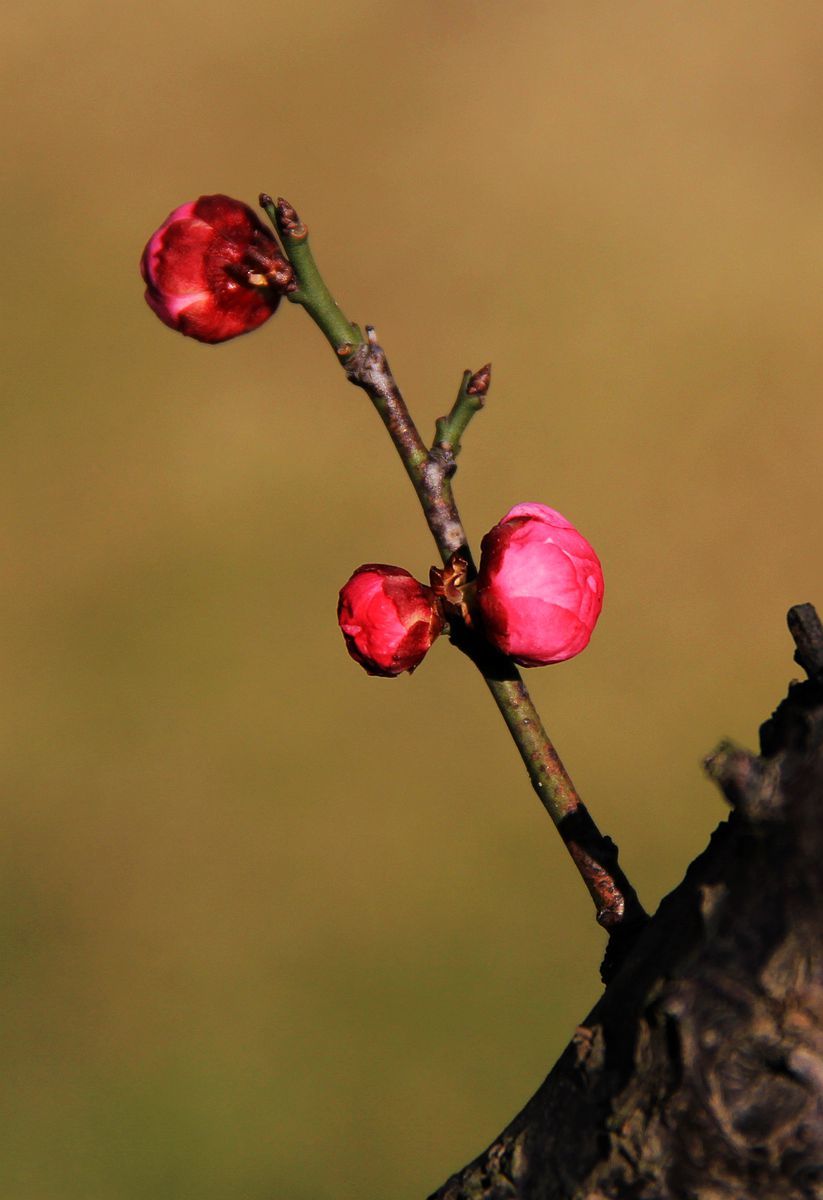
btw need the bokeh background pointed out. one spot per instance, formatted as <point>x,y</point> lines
<point>270,928</point>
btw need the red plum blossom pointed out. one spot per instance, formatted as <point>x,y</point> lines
<point>213,270</point>
<point>388,619</point>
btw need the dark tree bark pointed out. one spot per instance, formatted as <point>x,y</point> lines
<point>699,1073</point>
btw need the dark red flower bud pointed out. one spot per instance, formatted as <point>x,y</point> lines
<point>213,270</point>
<point>389,620</point>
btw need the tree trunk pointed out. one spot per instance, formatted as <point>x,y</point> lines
<point>699,1073</point>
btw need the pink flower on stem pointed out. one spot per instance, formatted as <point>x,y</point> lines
<point>539,587</point>
<point>388,619</point>
<point>213,270</point>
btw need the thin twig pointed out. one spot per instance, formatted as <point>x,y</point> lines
<point>618,909</point>
<point>470,399</point>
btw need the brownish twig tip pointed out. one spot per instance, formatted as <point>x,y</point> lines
<point>479,383</point>
<point>288,222</point>
<point>265,200</point>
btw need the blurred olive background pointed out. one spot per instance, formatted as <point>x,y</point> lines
<point>271,928</point>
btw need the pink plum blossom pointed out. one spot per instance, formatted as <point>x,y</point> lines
<point>388,619</point>
<point>539,587</point>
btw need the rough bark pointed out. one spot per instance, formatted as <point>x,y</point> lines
<point>699,1073</point>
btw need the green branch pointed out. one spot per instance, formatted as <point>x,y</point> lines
<point>310,291</point>
<point>470,399</point>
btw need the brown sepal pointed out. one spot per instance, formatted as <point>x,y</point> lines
<point>449,584</point>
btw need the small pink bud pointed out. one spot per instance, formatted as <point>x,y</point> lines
<point>539,587</point>
<point>389,620</point>
<point>213,270</point>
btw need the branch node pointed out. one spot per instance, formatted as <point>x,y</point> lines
<point>440,464</point>
<point>366,366</point>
